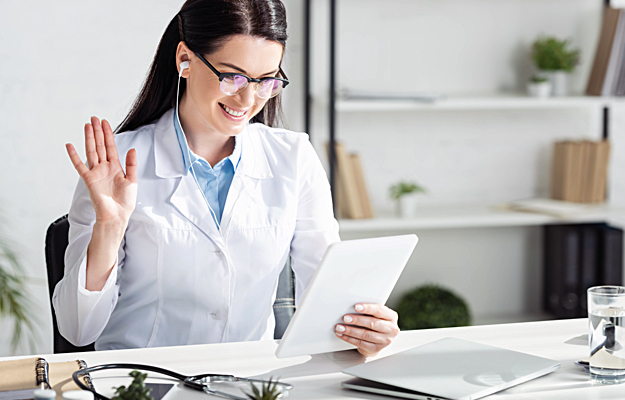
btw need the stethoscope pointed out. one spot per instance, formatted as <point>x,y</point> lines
<point>197,382</point>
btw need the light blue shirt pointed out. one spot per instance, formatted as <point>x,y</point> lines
<point>214,181</point>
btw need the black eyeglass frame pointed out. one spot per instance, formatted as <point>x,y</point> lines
<point>223,75</point>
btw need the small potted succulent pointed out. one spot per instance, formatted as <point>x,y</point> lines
<point>406,195</point>
<point>539,86</point>
<point>136,390</point>
<point>556,60</point>
<point>268,391</point>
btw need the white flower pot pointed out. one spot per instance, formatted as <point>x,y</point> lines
<point>539,89</point>
<point>559,82</point>
<point>407,205</point>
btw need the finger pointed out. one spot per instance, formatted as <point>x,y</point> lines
<point>92,155</point>
<point>99,139</point>
<point>76,161</point>
<point>372,323</point>
<point>109,142</point>
<point>368,347</point>
<point>131,165</point>
<point>364,335</point>
<point>377,310</point>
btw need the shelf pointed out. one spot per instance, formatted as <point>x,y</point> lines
<point>471,216</point>
<point>481,102</point>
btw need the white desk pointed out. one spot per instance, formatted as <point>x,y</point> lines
<point>319,377</point>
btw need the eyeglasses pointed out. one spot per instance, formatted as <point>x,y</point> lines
<point>231,84</point>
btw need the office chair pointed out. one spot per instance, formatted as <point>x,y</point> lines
<point>57,241</point>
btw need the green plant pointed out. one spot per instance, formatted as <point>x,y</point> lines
<point>268,391</point>
<point>538,79</point>
<point>13,301</point>
<point>402,188</point>
<point>552,54</point>
<point>430,306</point>
<point>136,390</point>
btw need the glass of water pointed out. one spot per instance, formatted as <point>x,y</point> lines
<point>606,324</point>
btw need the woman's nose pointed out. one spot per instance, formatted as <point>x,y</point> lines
<point>247,96</point>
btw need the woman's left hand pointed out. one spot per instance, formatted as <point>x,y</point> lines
<point>371,332</point>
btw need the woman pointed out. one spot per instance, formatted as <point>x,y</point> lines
<point>186,245</point>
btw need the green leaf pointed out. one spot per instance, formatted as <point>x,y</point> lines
<point>13,303</point>
<point>552,54</point>
<point>402,188</point>
<point>136,390</point>
<point>269,391</point>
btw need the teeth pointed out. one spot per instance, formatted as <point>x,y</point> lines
<point>231,111</point>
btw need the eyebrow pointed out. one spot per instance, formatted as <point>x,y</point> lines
<point>243,71</point>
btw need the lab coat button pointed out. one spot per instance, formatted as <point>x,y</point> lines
<point>215,315</point>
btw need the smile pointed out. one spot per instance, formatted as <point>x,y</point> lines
<point>232,112</point>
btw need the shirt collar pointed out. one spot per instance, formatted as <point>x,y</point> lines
<point>168,161</point>
<point>234,158</point>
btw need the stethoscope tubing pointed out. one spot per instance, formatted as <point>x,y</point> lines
<point>189,381</point>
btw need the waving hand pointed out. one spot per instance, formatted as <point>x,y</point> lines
<point>113,192</point>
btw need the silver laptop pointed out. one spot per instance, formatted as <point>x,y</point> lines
<point>448,369</point>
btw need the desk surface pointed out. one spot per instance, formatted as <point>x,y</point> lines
<point>319,377</point>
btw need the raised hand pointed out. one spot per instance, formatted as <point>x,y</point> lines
<point>113,192</point>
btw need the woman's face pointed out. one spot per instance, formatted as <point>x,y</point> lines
<point>251,56</point>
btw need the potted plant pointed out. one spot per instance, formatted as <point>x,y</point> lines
<point>556,60</point>
<point>430,306</point>
<point>539,86</point>
<point>406,194</point>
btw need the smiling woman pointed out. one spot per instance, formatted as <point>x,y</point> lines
<point>186,244</point>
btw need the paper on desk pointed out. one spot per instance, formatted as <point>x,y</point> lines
<point>555,208</point>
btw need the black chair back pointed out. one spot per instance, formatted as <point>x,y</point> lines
<point>57,241</point>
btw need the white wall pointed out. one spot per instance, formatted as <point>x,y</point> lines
<point>61,62</point>
<point>461,47</point>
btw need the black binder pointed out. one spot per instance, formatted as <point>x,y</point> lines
<point>577,257</point>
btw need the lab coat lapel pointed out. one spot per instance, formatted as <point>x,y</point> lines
<point>170,165</point>
<point>190,202</point>
<point>252,168</point>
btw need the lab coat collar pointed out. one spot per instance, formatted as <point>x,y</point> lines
<point>170,164</point>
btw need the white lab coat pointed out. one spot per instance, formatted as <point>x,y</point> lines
<point>178,279</point>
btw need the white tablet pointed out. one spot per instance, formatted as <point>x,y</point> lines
<point>351,272</point>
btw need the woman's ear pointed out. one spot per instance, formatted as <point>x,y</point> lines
<point>183,53</point>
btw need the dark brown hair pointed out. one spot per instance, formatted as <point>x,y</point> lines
<point>204,26</point>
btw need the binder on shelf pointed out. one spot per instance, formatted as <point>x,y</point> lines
<point>615,63</point>
<point>363,193</point>
<point>579,171</point>
<point>351,191</point>
<point>603,154</point>
<point>589,264</point>
<point>577,257</point>
<point>584,194</point>
<point>567,169</point>
<point>575,168</point>
<point>604,50</point>
<point>611,256</point>
<point>562,249</point>
<point>557,174</point>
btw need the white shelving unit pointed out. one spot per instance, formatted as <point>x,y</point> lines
<point>474,149</point>
<point>473,216</point>
<point>500,101</point>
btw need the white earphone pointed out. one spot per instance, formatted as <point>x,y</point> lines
<point>183,65</point>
